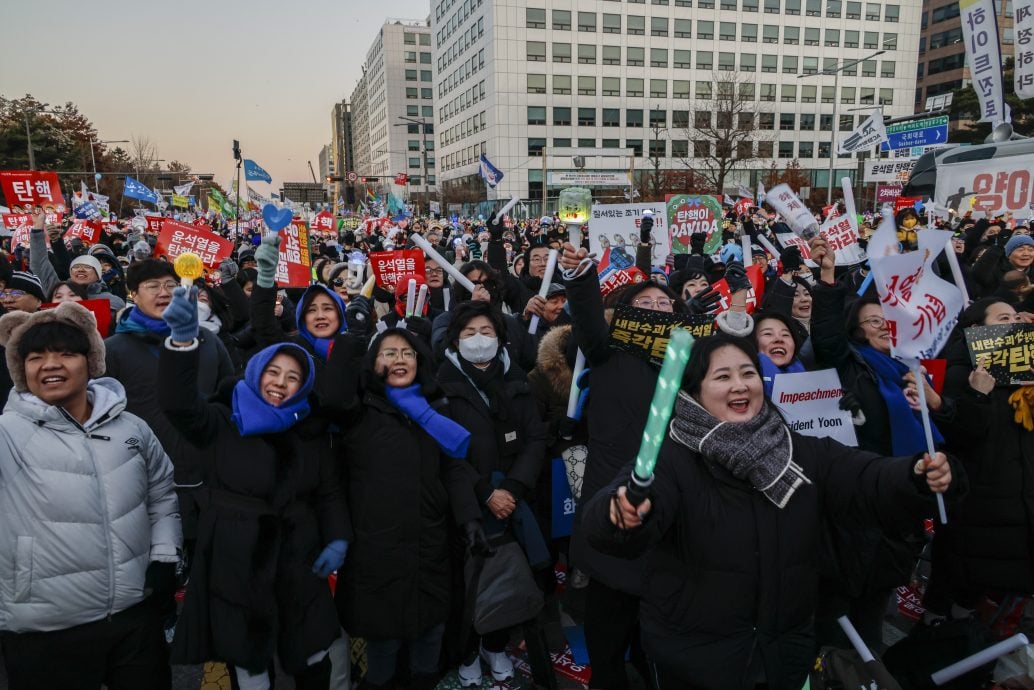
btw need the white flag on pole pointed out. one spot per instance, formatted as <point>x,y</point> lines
<point>870,133</point>
<point>980,32</point>
<point>1023,71</point>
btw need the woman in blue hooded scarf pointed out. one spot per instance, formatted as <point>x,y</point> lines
<point>273,522</point>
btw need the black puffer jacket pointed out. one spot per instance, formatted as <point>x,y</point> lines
<point>728,575</point>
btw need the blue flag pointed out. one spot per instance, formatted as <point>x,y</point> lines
<point>491,174</point>
<point>88,211</point>
<point>134,189</point>
<point>253,172</point>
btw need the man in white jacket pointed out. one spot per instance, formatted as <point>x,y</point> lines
<point>89,523</point>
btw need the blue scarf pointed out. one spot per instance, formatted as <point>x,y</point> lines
<point>769,371</point>
<point>320,345</point>
<point>906,425</point>
<point>135,321</point>
<point>252,414</point>
<point>452,438</point>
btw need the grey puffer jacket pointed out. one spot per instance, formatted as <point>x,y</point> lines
<point>83,510</point>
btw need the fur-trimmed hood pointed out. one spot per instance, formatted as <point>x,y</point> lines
<point>14,325</point>
<point>552,359</point>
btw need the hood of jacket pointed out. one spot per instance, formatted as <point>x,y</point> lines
<point>552,359</point>
<point>107,397</point>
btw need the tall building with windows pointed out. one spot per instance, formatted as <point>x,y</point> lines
<point>341,149</point>
<point>942,52</point>
<point>513,79</point>
<point>393,111</point>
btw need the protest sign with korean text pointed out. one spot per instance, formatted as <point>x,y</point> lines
<point>617,225</point>
<point>1005,350</point>
<point>883,170</point>
<point>794,211</point>
<point>388,266</point>
<point>28,188</point>
<point>991,186</point>
<point>645,332</point>
<point>842,239</point>
<point>690,215</point>
<point>88,231</point>
<point>13,221</point>
<point>809,402</point>
<point>295,266</point>
<point>175,237</point>
<point>1023,69</point>
<point>984,58</point>
<point>323,223</point>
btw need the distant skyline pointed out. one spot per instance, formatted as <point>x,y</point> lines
<point>193,76</point>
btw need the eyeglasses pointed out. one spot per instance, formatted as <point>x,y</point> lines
<point>392,354</point>
<point>875,322</point>
<point>13,294</point>
<point>662,303</point>
<point>539,259</point>
<point>434,271</point>
<point>158,286</point>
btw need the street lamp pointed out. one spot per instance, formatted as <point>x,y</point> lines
<point>833,129</point>
<point>93,159</point>
<point>423,152</point>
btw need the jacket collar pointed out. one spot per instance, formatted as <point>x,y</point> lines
<point>107,396</point>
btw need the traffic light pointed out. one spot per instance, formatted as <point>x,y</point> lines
<point>334,178</point>
<point>236,150</point>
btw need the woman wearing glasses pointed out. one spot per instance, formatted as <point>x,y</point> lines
<point>858,346</point>
<point>406,478</point>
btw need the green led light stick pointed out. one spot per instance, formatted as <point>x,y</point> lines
<point>668,382</point>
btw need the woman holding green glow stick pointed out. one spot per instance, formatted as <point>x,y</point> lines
<point>731,530</point>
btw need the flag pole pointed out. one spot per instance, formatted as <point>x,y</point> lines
<point>917,372</point>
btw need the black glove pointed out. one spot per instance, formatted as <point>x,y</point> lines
<point>736,277</point>
<point>696,243</point>
<point>420,327</point>
<point>705,303</point>
<point>160,584</point>
<point>791,260</point>
<point>567,428</point>
<point>357,315</point>
<point>645,226</point>
<point>849,402</point>
<point>476,539</point>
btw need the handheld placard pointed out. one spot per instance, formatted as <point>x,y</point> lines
<point>188,267</point>
<point>676,357</point>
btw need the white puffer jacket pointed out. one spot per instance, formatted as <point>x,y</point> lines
<point>83,510</point>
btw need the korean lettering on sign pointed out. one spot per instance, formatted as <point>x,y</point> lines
<point>980,32</point>
<point>1006,351</point>
<point>389,266</point>
<point>645,333</point>
<point>1023,71</point>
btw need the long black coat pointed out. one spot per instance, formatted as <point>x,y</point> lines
<point>620,389</point>
<point>515,446</point>
<point>270,505</point>
<point>728,575</point>
<point>988,543</point>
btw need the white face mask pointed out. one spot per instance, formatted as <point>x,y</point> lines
<point>478,348</point>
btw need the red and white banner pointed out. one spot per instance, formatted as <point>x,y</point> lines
<point>175,237</point>
<point>401,179</point>
<point>28,188</point>
<point>842,238</point>
<point>13,221</point>
<point>88,231</point>
<point>887,193</point>
<point>323,222</point>
<point>295,266</point>
<point>388,266</point>
<point>154,224</point>
<point>757,281</point>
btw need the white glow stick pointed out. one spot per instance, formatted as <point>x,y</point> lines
<point>925,413</point>
<point>849,209</point>
<point>505,209</point>
<point>768,245</point>
<point>547,278</point>
<point>745,243</point>
<point>572,398</point>
<point>410,297</point>
<point>418,310</point>
<point>985,656</point>
<point>574,234</point>
<point>856,639</point>
<point>453,272</point>
<point>956,272</point>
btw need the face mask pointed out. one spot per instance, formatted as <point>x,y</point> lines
<point>204,311</point>
<point>478,348</point>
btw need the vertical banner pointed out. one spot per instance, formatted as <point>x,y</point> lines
<point>980,32</point>
<point>1023,71</point>
<point>294,268</point>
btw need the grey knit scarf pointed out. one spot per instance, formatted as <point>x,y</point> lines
<point>759,451</point>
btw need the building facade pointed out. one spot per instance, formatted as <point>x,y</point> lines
<point>341,149</point>
<point>600,79</point>
<point>393,112</point>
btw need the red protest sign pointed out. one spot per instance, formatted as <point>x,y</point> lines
<point>722,288</point>
<point>87,230</point>
<point>154,224</point>
<point>614,279</point>
<point>27,188</point>
<point>175,237</point>
<point>13,221</point>
<point>295,266</point>
<point>323,222</point>
<point>101,309</point>
<point>904,202</point>
<point>936,369</point>
<point>388,266</point>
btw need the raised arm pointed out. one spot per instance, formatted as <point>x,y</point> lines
<point>586,303</point>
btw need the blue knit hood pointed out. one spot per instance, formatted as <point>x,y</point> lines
<point>321,345</point>
<point>252,414</point>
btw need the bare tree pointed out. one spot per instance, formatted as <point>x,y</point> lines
<point>725,129</point>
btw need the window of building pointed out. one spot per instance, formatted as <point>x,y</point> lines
<point>561,143</point>
<point>705,29</point>
<point>703,90</point>
<point>768,92</point>
<point>748,62</point>
<point>536,114</point>
<point>414,162</point>
<point>658,26</point>
<point>412,92</point>
<point>766,121</point>
<point>833,9</point>
<point>791,35</point>
<point>611,117</point>
<point>702,119</point>
<point>867,95</point>
<point>789,64</point>
<point>705,59</point>
<point>536,52</point>
<point>635,25</point>
<point>787,121</point>
<point>658,57</point>
<point>561,116</point>
<point>562,84</point>
<point>610,144</point>
<point>425,39</point>
<point>744,149</point>
<point>750,5</point>
<point>828,94</point>
<point>851,39</point>
<point>811,37</point>
<point>611,55</point>
<point>611,23</point>
<point>792,7</point>
<point>633,118</point>
<point>847,94</point>
<point>770,34</point>
<point>658,148</point>
<point>562,20</point>
<point>680,119</point>
<point>411,74</point>
<point>788,93</point>
<point>425,58</point>
<point>658,118</point>
<point>561,52</point>
<point>833,38</point>
<point>414,144</point>
<point>636,145</point>
<point>872,11</point>
<point>809,93</point>
<point>586,117</point>
<point>535,18</point>
<point>587,21</point>
<point>426,94</point>
<point>786,149</point>
<point>658,88</point>
<point>586,54</point>
<point>408,38</point>
<point>891,13</point>
<point>854,9</point>
<point>886,96</point>
<point>683,28</point>
<point>586,86</point>
<point>771,6</point>
<point>868,68</point>
<point>870,39</point>
<point>634,87</point>
<point>611,86</point>
<point>807,121</point>
<point>680,149</point>
<point>746,90</point>
<point>726,62</point>
<point>701,148</point>
<point>425,75</point>
<point>587,143</point>
<point>749,33</point>
<point>409,56</point>
<point>727,31</point>
<point>635,56</point>
<point>887,68</point>
<point>813,8</point>
<point>535,146</point>
<point>769,63</point>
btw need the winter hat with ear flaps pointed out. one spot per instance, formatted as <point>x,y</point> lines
<point>14,325</point>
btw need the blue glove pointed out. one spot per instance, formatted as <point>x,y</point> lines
<point>181,315</point>
<point>331,558</point>
<point>266,257</point>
